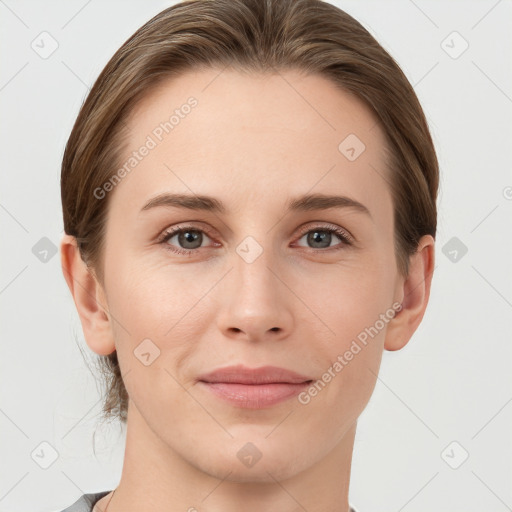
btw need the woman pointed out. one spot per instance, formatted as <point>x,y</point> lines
<point>249,197</point>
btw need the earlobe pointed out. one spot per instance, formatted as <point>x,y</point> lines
<point>415,293</point>
<point>89,298</point>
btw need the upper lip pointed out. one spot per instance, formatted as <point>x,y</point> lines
<point>263,375</point>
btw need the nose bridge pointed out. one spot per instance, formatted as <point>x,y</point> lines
<point>252,262</point>
<point>255,302</point>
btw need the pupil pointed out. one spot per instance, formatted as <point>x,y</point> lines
<point>187,237</point>
<point>322,237</point>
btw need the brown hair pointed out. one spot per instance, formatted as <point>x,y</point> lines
<point>246,35</point>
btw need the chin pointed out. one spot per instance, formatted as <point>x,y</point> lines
<point>256,462</point>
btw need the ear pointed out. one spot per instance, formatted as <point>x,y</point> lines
<point>415,292</point>
<point>89,297</point>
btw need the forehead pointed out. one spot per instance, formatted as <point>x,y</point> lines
<point>239,136</point>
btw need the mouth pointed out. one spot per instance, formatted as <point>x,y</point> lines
<point>256,388</point>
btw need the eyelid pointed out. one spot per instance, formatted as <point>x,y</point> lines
<point>176,228</point>
<point>338,230</point>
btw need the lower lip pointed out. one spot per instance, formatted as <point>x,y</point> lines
<point>255,396</point>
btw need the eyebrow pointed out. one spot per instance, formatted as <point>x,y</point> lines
<point>304,203</point>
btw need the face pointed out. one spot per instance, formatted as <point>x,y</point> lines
<point>268,277</point>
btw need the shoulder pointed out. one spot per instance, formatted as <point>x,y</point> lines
<point>86,502</point>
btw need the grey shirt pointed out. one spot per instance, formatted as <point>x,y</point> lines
<point>87,501</point>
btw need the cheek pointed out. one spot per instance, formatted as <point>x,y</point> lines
<point>161,314</point>
<point>356,307</point>
<point>350,298</point>
<point>158,320</point>
<point>347,362</point>
<point>155,299</point>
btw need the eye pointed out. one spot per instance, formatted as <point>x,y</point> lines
<point>320,237</point>
<point>188,238</point>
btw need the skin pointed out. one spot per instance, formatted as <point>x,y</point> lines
<point>253,142</point>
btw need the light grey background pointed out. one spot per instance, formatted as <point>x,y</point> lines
<point>451,383</point>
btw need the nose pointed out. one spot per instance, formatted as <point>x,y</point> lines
<point>255,304</point>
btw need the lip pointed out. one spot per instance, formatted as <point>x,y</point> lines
<point>254,388</point>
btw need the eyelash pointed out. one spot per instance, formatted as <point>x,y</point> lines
<point>346,238</point>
